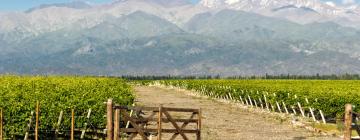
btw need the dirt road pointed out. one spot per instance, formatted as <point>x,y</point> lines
<point>222,121</point>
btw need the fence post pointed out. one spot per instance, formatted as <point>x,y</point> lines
<point>85,125</point>
<point>312,114</point>
<point>261,103</point>
<point>26,137</point>
<point>1,124</point>
<point>242,101</point>
<point>255,103</point>
<point>37,121</point>
<point>72,123</point>
<point>131,114</point>
<point>160,123</point>
<point>286,110</point>
<point>58,124</point>
<point>272,107</point>
<point>109,117</point>
<point>301,110</point>
<point>322,116</point>
<point>198,134</point>
<point>250,101</point>
<point>266,103</point>
<point>278,105</point>
<point>117,124</point>
<point>348,122</point>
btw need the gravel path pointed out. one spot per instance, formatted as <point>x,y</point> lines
<point>223,121</point>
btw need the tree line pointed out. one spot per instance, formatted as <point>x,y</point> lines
<point>266,76</point>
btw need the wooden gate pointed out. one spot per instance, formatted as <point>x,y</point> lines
<point>146,122</point>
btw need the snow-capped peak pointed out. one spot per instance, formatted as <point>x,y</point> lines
<point>212,3</point>
<point>299,11</point>
<point>231,1</point>
<point>325,8</point>
<point>330,3</point>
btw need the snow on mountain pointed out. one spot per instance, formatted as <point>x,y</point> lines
<point>58,16</point>
<point>53,17</point>
<point>75,5</point>
<point>253,5</point>
<point>175,14</point>
<point>171,3</point>
<point>300,11</point>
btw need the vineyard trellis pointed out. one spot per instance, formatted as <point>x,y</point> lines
<point>317,101</point>
<point>290,104</point>
<point>129,126</point>
<point>57,95</point>
<point>33,130</point>
<point>324,97</point>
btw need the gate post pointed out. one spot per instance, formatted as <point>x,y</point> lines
<point>109,117</point>
<point>116,124</point>
<point>37,121</point>
<point>1,124</point>
<point>159,122</point>
<point>198,134</point>
<point>348,122</point>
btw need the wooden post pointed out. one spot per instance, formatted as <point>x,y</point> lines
<point>348,122</point>
<point>72,123</point>
<point>241,99</point>
<point>85,125</point>
<point>109,117</point>
<point>293,109</point>
<point>29,125</point>
<point>37,121</point>
<point>231,98</point>
<point>58,123</point>
<point>1,124</point>
<point>250,101</point>
<point>278,105</point>
<point>159,122</point>
<point>255,103</point>
<point>261,103</point>
<point>301,110</point>
<point>120,136</point>
<point>198,134</point>
<point>286,110</point>
<point>312,114</point>
<point>266,103</point>
<point>272,107</point>
<point>322,117</point>
<point>307,102</point>
<point>117,124</point>
<point>131,113</point>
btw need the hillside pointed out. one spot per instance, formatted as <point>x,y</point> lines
<point>137,37</point>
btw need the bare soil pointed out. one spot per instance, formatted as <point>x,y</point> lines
<point>223,121</point>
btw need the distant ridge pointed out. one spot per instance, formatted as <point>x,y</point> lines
<point>141,37</point>
<point>78,4</point>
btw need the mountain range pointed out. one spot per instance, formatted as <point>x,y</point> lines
<point>161,37</point>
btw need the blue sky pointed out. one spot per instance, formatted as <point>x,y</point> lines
<point>19,5</point>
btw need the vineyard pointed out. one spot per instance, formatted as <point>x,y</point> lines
<point>61,96</point>
<point>320,99</point>
<point>19,95</point>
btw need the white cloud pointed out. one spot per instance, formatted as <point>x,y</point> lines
<point>348,2</point>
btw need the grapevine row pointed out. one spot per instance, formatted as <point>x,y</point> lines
<point>327,97</point>
<point>19,94</point>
